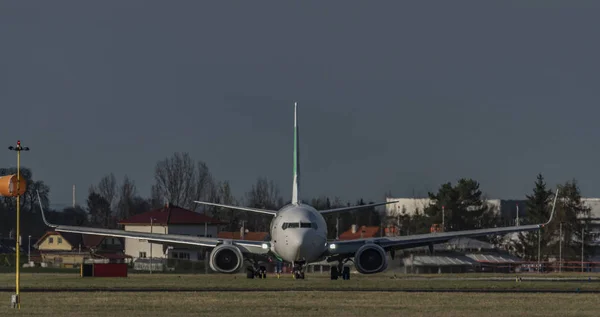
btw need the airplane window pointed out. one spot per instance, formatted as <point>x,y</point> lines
<point>290,225</point>
<point>299,225</point>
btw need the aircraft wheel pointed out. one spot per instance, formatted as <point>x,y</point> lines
<point>250,273</point>
<point>346,273</point>
<point>334,273</point>
<point>262,272</point>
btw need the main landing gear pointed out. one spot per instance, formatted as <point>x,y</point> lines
<point>253,270</point>
<point>298,270</point>
<point>340,270</point>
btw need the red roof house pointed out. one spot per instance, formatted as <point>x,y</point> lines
<point>360,232</point>
<point>169,219</point>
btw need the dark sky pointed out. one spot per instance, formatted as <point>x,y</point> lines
<point>393,95</point>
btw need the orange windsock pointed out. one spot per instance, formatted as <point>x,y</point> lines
<point>8,186</point>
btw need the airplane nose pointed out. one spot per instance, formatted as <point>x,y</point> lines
<point>301,246</point>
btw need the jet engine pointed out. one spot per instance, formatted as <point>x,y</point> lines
<point>370,258</point>
<point>226,258</point>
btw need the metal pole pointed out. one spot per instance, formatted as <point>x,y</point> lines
<point>560,249</point>
<point>582,244</point>
<point>517,214</point>
<point>18,149</point>
<point>151,223</point>
<point>539,248</point>
<point>443,219</point>
<point>29,250</point>
<point>18,260</point>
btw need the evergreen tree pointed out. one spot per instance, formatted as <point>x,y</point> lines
<point>574,216</point>
<point>538,210</point>
<point>464,207</point>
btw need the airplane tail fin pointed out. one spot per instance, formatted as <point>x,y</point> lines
<point>296,186</point>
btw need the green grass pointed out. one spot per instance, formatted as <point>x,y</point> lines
<point>308,303</point>
<point>330,304</point>
<point>315,281</point>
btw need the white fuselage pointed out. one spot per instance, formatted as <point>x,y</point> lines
<point>299,233</point>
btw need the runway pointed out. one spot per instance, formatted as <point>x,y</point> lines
<point>278,290</point>
<point>506,279</point>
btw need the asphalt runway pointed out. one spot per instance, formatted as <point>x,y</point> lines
<point>507,279</point>
<point>291,289</point>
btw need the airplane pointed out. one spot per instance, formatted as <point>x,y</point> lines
<point>298,235</point>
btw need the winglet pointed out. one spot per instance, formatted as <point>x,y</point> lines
<point>552,212</point>
<point>42,211</point>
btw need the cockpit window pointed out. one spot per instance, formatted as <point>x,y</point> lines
<point>290,225</point>
<point>299,225</point>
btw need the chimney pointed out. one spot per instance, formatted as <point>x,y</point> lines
<point>353,228</point>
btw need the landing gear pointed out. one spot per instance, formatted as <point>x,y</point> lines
<point>252,272</point>
<point>298,270</point>
<point>340,270</point>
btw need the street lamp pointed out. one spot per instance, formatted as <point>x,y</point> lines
<point>560,248</point>
<point>151,225</point>
<point>18,149</point>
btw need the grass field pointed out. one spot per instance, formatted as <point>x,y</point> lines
<point>323,304</point>
<point>314,281</point>
<point>307,303</point>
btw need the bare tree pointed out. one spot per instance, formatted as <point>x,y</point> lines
<point>205,184</point>
<point>107,188</point>
<point>99,210</point>
<point>28,201</point>
<point>127,194</point>
<point>265,195</point>
<point>180,181</point>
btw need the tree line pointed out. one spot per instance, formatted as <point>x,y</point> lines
<point>179,180</point>
<point>465,208</point>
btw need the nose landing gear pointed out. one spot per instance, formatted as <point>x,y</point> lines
<point>298,270</point>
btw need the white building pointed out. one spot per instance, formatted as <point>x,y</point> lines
<point>506,207</point>
<point>169,220</point>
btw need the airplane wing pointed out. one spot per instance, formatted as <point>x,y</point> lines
<point>349,247</point>
<point>327,211</point>
<point>246,246</point>
<point>262,211</point>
